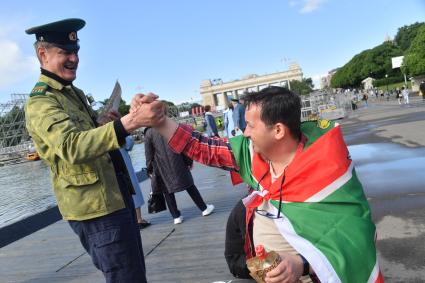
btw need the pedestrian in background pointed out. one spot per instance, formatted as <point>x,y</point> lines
<point>138,196</point>
<point>365,98</point>
<point>398,94</point>
<point>210,125</point>
<point>229,125</point>
<point>422,89</point>
<point>405,93</point>
<point>238,115</point>
<point>174,170</point>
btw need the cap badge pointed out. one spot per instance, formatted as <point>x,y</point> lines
<point>73,36</point>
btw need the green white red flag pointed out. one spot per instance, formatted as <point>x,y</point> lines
<point>326,216</point>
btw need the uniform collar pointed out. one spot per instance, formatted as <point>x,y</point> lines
<point>53,80</point>
<point>50,82</point>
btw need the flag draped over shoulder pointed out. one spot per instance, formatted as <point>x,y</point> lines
<point>326,215</point>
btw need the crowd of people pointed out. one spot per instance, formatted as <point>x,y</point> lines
<point>305,201</point>
<point>233,119</point>
<point>401,95</point>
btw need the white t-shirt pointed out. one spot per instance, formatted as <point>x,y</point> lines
<point>265,231</point>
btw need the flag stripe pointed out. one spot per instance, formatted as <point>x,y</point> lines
<point>318,261</point>
<point>330,228</point>
<point>374,276</point>
<point>335,185</point>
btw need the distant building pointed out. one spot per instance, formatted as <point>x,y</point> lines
<point>368,83</point>
<point>416,81</point>
<point>218,93</point>
<point>325,82</point>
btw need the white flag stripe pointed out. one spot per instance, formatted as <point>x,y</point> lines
<point>249,198</point>
<point>335,185</point>
<point>375,272</point>
<point>318,261</point>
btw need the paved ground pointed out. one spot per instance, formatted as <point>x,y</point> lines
<point>395,188</point>
<point>190,252</point>
<point>193,251</point>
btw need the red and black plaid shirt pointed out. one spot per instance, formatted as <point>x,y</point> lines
<point>213,151</point>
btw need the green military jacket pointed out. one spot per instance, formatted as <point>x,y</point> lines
<point>64,135</point>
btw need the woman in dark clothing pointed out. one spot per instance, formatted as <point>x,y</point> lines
<point>174,170</point>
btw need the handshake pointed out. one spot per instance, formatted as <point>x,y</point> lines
<point>145,111</point>
<point>148,111</point>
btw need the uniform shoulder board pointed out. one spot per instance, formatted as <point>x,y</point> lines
<point>39,89</point>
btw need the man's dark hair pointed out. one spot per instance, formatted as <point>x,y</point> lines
<point>207,108</point>
<point>278,105</point>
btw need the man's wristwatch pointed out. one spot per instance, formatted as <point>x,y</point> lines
<point>306,266</point>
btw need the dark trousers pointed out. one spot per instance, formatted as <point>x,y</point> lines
<point>235,240</point>
<point>193,192</point>
<point>113,242</point>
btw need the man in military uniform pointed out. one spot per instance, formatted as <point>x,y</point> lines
<point>89,178</point>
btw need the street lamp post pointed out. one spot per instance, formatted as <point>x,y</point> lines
<point>386,79</point>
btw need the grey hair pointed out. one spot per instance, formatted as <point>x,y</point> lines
<point>42,44</point>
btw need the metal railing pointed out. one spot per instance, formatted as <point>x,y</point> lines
<point>23,147</point>
<point>323,104</point>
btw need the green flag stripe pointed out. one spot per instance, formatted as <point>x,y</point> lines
<point>242,153</point>
<point>317,259</point>
<point>327,225</point>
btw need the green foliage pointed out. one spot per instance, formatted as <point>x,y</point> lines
<point>302,87</point>
<point>168,103</point>
<point>375,63</point>
<point>172,109</point>
<point>406,35</point>
<point>389,80</point>
<point>186,106</point>
<point>414,58</point>
<point>395,86</point>
<point>123,108</point>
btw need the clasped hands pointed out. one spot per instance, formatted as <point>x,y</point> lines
<point>145,111</point>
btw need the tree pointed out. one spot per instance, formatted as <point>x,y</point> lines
<point>374,63</point>
<point>123,108</point>
<point>302,87</point>
<point>414,58</point>
<point>186,106</point>
<point>407,34</point>
<point>195,105</point>
<point>172,109</point>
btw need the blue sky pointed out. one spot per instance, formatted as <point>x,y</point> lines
<point>169,47</point>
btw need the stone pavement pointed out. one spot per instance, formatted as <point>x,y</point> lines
<point>189,252</point>
<point>393,178</point>
<point>387,121</point>
<point>193,250</point>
